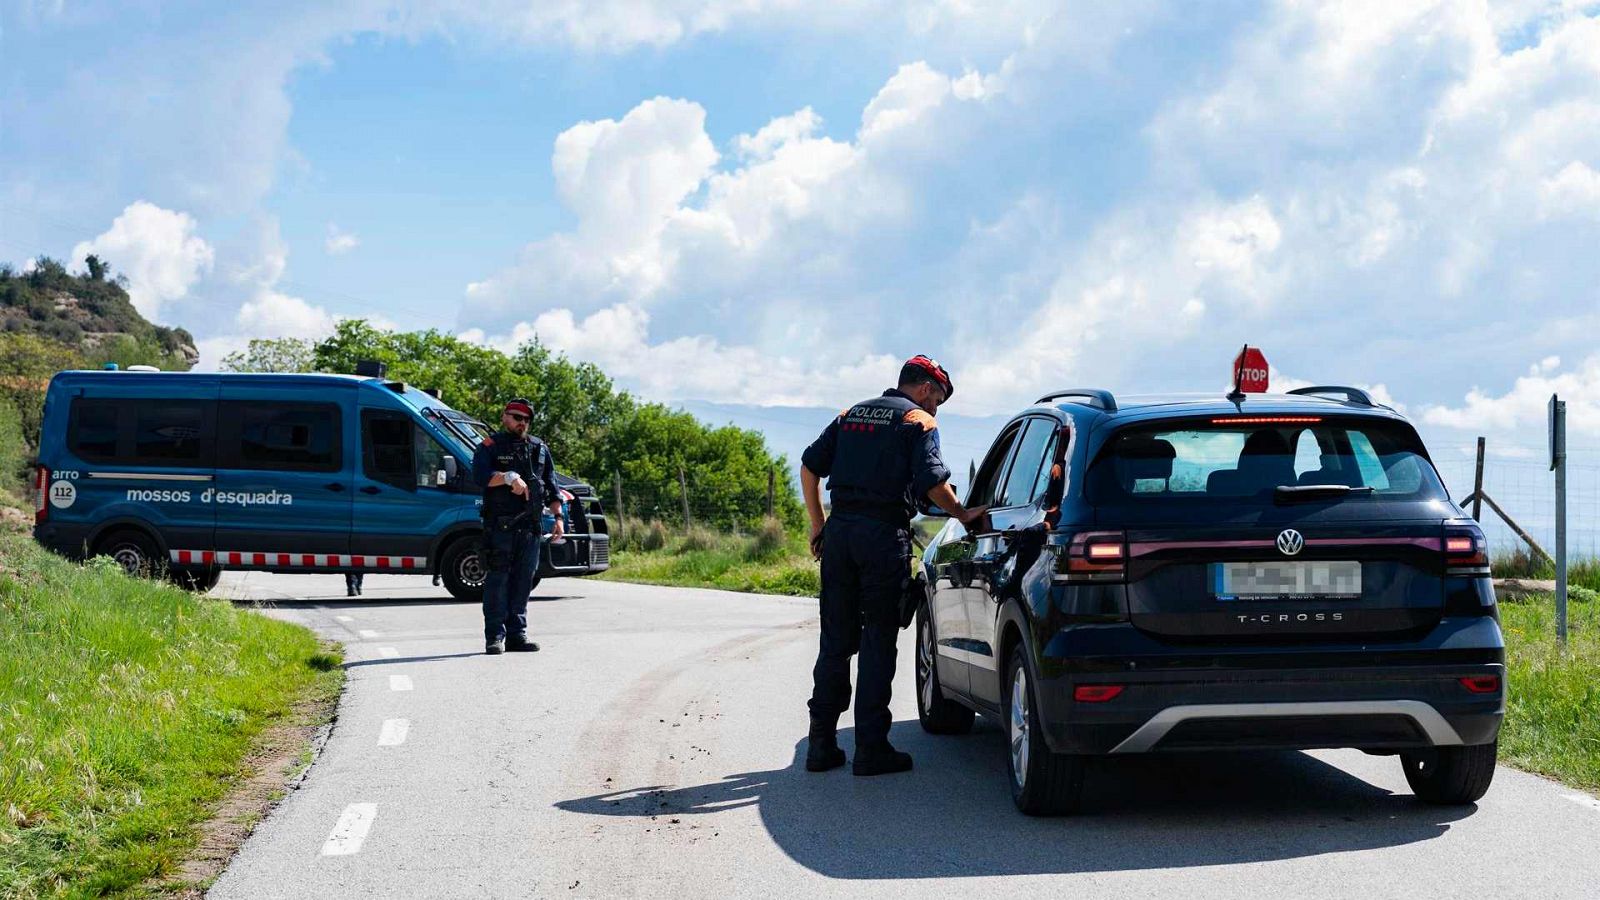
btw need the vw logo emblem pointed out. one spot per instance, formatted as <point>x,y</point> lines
<point>1290,542</point>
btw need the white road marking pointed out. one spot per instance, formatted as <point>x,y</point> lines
<point>1584,800</point>
<point>394,732</point>
<point>343,619</point>
<point>350,830</point>
<point>388,652</point>
<point>399,682</point>
<point>368,633</point>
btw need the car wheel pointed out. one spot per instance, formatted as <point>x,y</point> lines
<point>133,550</point>
<point>1043,783</point>
<point>463,571</point>
<point>1450,776</point>
<point>937,714</point>
<point>197,580</point>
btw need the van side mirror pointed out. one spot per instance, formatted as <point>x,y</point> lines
<point>448,474</point>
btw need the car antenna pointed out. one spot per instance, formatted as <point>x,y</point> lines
<point>1237,396</point>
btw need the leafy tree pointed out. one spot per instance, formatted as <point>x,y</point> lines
<point>97,268</point>
<point>27,362</point>
<point>272,355</point>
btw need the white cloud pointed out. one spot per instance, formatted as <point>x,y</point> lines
<point>1526,405</point>
<point>157,249</point>
<point>339,242</point>
<point>1573,191</point>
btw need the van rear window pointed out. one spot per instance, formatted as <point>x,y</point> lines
<point>139,432</point>
<point>1247,463</point>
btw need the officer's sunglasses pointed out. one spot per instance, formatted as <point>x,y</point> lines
<point>517,417</point>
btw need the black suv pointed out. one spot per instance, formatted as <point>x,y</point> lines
<point>1198,573</point>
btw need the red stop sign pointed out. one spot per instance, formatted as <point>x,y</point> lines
<point>1250,367</point>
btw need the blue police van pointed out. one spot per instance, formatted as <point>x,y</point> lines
<point>191,473</point>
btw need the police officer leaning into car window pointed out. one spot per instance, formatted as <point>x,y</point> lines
<point>882,461</point>
<point>518,478</point>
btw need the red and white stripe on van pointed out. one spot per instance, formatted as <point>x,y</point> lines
<point>296,560</point>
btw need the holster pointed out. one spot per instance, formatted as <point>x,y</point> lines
<point>913,595</point>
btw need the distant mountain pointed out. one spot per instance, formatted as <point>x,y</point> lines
<point>88,313</point>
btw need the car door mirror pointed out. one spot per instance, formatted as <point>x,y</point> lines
<point>448,474</point>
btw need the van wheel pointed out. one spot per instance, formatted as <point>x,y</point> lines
<point>462,570</point>
<point>938,714</point>
<point>1042,783</point>
<point>1450,776</point>
<point>197,580</point>
<point>133,550</point>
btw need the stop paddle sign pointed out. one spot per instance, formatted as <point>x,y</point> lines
<point>1250,370</point>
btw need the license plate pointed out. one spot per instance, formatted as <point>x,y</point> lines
<point>1285,580</point>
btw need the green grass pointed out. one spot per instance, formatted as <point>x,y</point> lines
<point>772,561</point>
<point>127,708</point>
<point>1553,697</point>
<point>1520,563</point>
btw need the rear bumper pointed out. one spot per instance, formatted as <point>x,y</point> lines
<point>1222,704</point>
<point>582,554</point>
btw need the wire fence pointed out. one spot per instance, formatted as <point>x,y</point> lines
<point>681,507</point>
<point>1525,488</point>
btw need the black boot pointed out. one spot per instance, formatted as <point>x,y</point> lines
<point>880,760</point>
<point>822,750</point>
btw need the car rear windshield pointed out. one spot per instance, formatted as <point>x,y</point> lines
<point>1237,461</point>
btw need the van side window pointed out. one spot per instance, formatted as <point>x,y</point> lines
<point>168,432</point>
<point>386,448</point>
<point>296,437</point>
<point>93,432</point>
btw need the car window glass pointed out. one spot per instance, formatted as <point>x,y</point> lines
<point>1025,466</point>
<point>1042,482</point>
<point>430,459</point>
<point>1307,453</point>
<point>983,487</point>
<point>283,436</point>
<point>94,430</point>
<point>167,431</point>
<point>387,448</point>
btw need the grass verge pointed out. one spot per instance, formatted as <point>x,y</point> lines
<point>128,709</point>
<point>1553,703</point>
<point>771,561</point>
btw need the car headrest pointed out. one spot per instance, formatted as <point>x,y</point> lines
<point>1141,458</point>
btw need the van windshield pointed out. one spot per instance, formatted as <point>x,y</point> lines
<point>468,430</point>
<point>1246,463</point>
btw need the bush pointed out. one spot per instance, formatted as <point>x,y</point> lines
<point>13,451</point>
<point>699,537</point>
<point>770,542</point>
<point>654,536</point>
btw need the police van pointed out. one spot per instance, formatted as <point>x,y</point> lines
<point>193,473</point>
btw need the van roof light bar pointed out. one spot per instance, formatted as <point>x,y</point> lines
<point>1096,397</point>
<point>1348,394</point>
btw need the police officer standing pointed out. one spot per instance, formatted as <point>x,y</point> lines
<point>517,475</point>
<point>882,460</point>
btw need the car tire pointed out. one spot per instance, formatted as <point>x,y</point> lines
<point>197,580</point>
<point>937,713</point>
<point>1450,776</point>
<point>133,550</point>
<point>461,568</point>
<point>1043,783</point>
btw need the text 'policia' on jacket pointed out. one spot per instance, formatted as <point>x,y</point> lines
<point>191,473</point>
<point>528,457</point>
<point>881,457</point>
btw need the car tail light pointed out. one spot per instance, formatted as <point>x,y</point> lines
<point>41,485</point>
<point>1096,693</point>
<point>1481,684</point>
<point>1267,420</point>
<point>1095,556</point>
<point>1466,552</point>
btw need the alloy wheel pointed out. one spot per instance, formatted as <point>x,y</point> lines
<point>925,664</point>
<point>1018,727</point>
<point>129,558</point>
<point>470,569</point>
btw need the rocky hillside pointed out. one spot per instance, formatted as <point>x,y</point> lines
<point>88,313</point>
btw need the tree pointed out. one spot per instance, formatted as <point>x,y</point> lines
<point>272,355</point>
<point>97,268</point>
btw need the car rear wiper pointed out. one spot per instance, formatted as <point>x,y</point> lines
<point>1289,493</point>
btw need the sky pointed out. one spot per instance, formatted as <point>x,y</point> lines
<point>755,209</point>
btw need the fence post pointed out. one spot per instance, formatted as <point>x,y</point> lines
<point>1477,485</point>
<point>616,489</point>
<point>1558,462</point>
<point>772,491</point>
<point>683,490</point>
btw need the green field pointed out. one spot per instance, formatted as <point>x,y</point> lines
<point>770,561</point>
<point>127,708</point>
<point>1553,711</point>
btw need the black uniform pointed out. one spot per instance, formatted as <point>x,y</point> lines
<point>881,457</point>
<point>511,529</point>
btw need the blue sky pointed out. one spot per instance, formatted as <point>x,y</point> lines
<point>745,204</point>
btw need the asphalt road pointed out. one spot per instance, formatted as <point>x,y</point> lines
<point>654,749</point>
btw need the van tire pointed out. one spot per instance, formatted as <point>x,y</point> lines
<point>461,569</point>
<point>134,550</point>
<point>197,580</point>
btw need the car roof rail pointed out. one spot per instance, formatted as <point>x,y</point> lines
<point>1350,394</point>
<point>1096,397</point>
